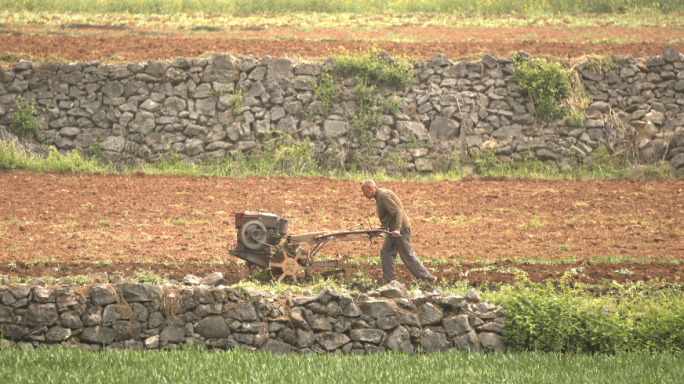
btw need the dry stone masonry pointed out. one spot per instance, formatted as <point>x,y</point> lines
<point>144,110</point>
<point>141,316</point>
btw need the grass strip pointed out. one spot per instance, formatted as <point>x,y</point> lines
<point>60,365</point>
<point>299,160</point>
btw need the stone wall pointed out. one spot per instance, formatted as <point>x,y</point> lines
<point>143,110</point>
<point>140,316</point>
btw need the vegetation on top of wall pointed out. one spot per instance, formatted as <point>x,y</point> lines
<point>374,67</point>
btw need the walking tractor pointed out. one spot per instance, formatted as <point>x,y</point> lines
<point>263,242</point>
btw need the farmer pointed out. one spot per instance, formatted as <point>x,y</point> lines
<point>393,217</point>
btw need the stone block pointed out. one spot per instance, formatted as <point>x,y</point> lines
<point>334,128</point>
<point>443,128</point>
<point>434,341</point>
<point>377,308</point>
<point>141,292</point>
<point>491,342</point>
<point>276,347</point>
<point>331,341</point>
<point>392,289</point>
<point>456,325</point>
<point>212,327</point>
<point>41,315</point>
<point>280,68</point>
<point>468,342</point>
<point>429,314</point>
<point>97,335</point>
<point>399,341</point>
<point>412,129</point>
<point>367,335</point>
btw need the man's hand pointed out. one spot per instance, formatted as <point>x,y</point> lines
<point>396,234</point>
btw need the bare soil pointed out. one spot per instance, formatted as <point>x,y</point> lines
<point>87,42</point>
<point>58,224</point>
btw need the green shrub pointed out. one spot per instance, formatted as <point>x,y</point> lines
<point>392,105</point>
<point>25,119</point>
<point>364,92</point>
<point>365,124</point>
<point>547,82</point>
<point>326,92</point>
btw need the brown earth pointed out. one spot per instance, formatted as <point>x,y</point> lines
<point>57,224</point>
<point>119,43</point>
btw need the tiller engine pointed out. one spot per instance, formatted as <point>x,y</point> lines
<point>260,243</point>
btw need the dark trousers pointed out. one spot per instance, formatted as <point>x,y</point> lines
<point>403,246</point>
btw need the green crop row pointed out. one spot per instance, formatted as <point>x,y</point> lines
<point>343,6</point>
<point>569,319</point>
<point>62,365</point>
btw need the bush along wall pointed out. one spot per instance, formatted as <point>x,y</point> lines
<point>374,111</point>
<point>141,316</point>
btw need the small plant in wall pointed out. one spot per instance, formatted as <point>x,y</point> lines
<point>25,119</point>
<point>95,149</point>
<point>237,100</point>
<point>218,92</point>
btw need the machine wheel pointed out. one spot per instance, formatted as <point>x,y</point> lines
<point>252,232</point>
<point>292,260</point>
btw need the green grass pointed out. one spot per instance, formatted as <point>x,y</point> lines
<point>299,160</point>
<point>62,365</point>
<point>347,6</point>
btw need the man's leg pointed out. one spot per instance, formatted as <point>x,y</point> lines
<point>405,248</point>
<point>388,253</point>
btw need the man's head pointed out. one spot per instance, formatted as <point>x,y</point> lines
<point>369,188</point>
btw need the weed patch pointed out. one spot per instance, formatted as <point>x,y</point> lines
<point>25,120</point>
<point>546,82</point>
<point>237,100</point>
<point>326,92</point>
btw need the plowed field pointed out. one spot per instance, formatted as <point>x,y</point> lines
<point>54,224</point>
<point>121,42</point>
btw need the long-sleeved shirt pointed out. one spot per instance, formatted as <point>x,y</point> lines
<point>390,210</point>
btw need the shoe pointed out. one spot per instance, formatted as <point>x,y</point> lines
<point>435,280</point>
